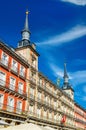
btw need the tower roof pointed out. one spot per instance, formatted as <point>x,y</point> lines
<point>26,26</point>
<point>65,71</point>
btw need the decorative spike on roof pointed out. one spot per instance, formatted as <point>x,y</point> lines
<point>26,27</point>
<point>65,71</point>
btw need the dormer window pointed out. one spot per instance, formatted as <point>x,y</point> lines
<point>4,59</point>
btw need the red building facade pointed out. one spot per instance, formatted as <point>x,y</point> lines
<point>80,116</point>
<point>13,95</point>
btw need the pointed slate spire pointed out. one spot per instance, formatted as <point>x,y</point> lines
<point>65,71</point>
<point>65,77</point>
<point>26,27</point>
<point>26,32</point>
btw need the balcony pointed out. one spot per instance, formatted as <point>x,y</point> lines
<point>12,87</point>
<point>22,75</point>
<point>4,63</point>
<point>7,87</point>
<point>4,108</point>
<point>14,70</point>
<point>32,97</point>
<point>32,80</point>
<point>40,85</point>
<point>35,116</point>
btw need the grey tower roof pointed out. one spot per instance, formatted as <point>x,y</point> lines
<point>26,26</point>
<point>65,71</point>
<point>25,33</point>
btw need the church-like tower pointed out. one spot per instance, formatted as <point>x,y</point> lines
<point>66,85</point>
<point>25,33</point>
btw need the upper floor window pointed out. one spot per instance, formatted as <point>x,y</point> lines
<point>22,71</point>
<point>39,95</point>
<point>4,59</point>
<point>1,100</point>
<point>14,65</point>
<point>33,76</point>
<point>10,103</point>
<point>19,106</point>
<point>33,61</point>
<point>12,83</point>
<point>40,81</point>
<point>32,91</point>
<point>20,87</point>
<point>2,78</point>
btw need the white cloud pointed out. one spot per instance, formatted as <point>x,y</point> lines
<point>78,77</point>
<point>58,72</point>
<point>75,33</point>
<point>77,2</point>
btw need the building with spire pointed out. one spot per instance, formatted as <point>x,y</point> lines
<point>35,98</point>
<point>66,85</point>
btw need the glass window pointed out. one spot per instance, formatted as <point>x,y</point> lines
<point>2,78</point>
<point>20,89</point>
<point>32,91</point>
<point>22,71</point>
<point>31,109</point>
<point>10,104</point>
<point>39,95</point>
<point>19,106</point>
<point>1,100</point>
<point>4,59</point>
<point>12,83</point>
<point>14,65</point>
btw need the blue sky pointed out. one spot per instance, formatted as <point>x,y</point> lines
<point>58,28</point>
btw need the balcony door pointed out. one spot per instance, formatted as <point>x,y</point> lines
<point>10,104</point>
<point>1,100</point>
<point>2,78</point>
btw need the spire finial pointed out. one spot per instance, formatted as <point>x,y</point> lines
<point>65,76</point>
<point>26,31</point>
<point>27,12</point>
<point>65,70</point>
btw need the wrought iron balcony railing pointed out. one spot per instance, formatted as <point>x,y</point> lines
<point>11,88</point>
<point>4,62</point>
<point>7,108</point>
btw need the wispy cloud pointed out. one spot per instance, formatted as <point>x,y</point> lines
<point>57,72</point>
<point>76,78</point>
<point>76,2</point>
<point>72,34</point>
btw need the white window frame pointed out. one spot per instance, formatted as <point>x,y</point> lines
<point>22,71</point>
<point>4,60</point>
<point>12,85</point>
<point>20,88</point>
<point>10,104</point>
<point>38,112</point>
<point>14,66</point>
<point>19,106</point>
<point>39,95</point>
<point>2,81</point>
<point>31,108</point>
<point>1,100</point>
